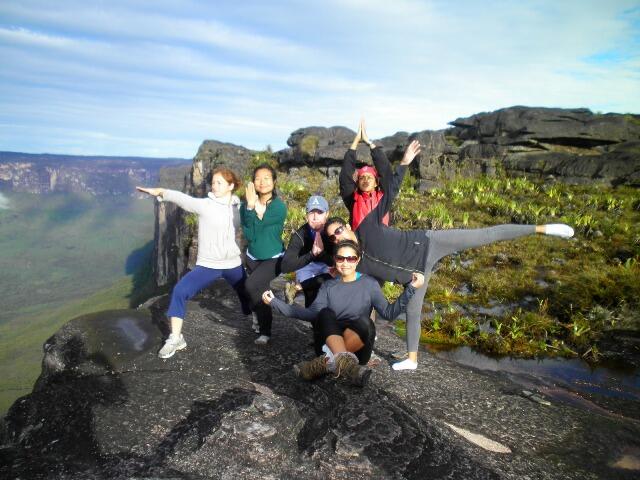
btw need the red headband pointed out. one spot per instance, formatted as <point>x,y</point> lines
<point>368,169</point>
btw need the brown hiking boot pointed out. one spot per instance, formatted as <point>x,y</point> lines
<point>312,369</point>
<point>347,367</point>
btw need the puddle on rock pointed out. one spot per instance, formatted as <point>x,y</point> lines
<point>571,381</point>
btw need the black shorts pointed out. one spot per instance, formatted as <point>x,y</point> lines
<point>327,324</point>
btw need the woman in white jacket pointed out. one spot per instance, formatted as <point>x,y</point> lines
<point>218,251</point>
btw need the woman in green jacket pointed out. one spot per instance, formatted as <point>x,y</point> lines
<point>262,216</point>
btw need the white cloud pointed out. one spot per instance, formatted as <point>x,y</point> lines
<point>170,74</point>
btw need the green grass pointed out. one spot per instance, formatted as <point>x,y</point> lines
<point>63,256</point>
<point>598,271</point>
<point>580,288</point>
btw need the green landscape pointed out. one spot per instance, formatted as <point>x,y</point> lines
<point>64,255</point>
<point>578,291</point>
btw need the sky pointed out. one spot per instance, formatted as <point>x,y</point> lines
<point>156,78</point>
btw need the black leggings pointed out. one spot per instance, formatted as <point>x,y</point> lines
<point>327,324</point>
<point>261,272</point>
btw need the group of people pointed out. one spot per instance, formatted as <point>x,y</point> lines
<point>339,265</point>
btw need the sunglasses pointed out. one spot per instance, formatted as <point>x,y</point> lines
<point>336,232</point>
<point>349,259</point>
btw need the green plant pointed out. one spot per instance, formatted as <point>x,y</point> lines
<point>309,145</point>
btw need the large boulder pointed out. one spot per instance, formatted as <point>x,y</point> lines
<point>573,145</point>
<point>571,127</point>
<point>106,407</point>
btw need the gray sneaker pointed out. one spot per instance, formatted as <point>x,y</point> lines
<point>172,345</point>
<point>262,340</point>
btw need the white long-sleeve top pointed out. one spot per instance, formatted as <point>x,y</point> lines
<point>218,222</point>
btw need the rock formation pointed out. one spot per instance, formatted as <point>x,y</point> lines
<point>573,145</point>
<point>106,407</point>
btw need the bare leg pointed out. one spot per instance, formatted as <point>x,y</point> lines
<point>352,341</point>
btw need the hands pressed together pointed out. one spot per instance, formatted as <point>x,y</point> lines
<point>318,246</point>
<point>412,151</point>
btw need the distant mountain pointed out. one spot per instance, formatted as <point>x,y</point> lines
<point>97,175</point>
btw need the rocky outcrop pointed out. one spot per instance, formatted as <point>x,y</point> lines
<point>23,172</point>
<point>106,407</point>
<point>569,145</point>
<point>573,145</point>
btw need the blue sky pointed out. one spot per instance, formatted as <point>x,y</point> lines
<point>156,78</point>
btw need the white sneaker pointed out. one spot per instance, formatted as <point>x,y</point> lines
<point>255,325</point>
<point>172,345</point>
<point>405,365</point>
<point>558,230</point>
<point>262,340</point>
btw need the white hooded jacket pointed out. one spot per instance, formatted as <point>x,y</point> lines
<point>218,222</point>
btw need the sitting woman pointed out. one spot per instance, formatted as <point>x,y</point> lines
<point>340,315</point>
<point>218,252</point>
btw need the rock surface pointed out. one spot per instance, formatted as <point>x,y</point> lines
<point>106,407</point>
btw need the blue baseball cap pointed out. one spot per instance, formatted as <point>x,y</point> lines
<point>316,202</point>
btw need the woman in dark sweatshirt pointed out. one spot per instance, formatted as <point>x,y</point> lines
<point>262,217</point>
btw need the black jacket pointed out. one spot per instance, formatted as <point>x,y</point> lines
<point>298,253</point>
<point>388,253</point>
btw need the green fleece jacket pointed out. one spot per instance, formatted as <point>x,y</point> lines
<point>264,236</point>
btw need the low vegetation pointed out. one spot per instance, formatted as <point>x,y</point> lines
<point>529,297</point>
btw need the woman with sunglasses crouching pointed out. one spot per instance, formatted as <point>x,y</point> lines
<point>340,316</point>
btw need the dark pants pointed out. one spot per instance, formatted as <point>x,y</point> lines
<point>327,324</point>
<point>200,278</point>
<point>261,272</point>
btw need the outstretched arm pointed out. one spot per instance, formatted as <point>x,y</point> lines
<point>295,311</point>
<point>155,192</point>
<point>390,311</point>
<point>184,201</point>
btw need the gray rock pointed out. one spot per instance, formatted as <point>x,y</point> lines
<point>106,407</point>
